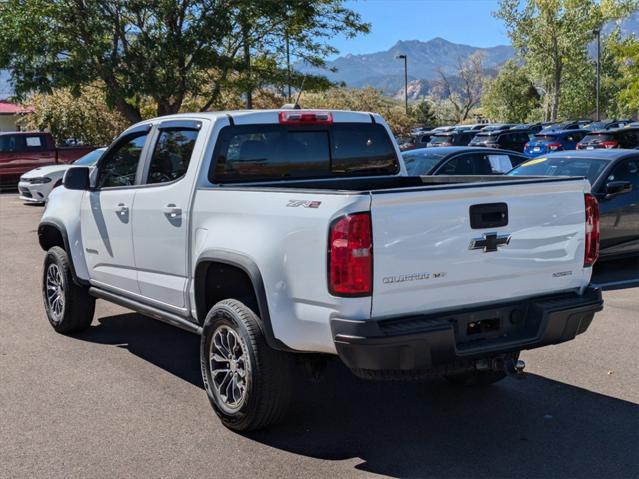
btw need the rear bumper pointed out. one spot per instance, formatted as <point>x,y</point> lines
<point>417,344</point>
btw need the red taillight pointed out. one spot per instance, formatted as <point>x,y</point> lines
<point>580,146</point>
<point>609,144</point>
<point>553,146</point>
<point>592,230</point>
<point>350,256</point>
<point>297,117</point>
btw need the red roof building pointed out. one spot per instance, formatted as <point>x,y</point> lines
<point>9,114</point>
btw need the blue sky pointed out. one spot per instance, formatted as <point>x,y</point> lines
<point>460,21</point>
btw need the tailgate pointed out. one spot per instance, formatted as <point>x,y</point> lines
<point>427,256</point>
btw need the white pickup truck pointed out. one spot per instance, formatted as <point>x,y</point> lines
<point>288,236</point>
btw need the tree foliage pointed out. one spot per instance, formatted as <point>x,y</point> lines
<point>551,37</point>
<point>365,99</point>
<point>626,60</point>
<point>423,113</point>
<point>86,118</point>
<point>511,96</point>
<point>165,50</point>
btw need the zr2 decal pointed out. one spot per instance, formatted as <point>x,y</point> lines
<point>305,204</point>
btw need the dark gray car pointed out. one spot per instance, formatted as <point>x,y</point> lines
<point>461,161</point>
<point>614,176</point>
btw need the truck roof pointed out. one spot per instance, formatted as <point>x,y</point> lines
<point>23,133</point>
<point>268,116</point>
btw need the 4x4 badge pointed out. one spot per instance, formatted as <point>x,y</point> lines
<point>490,242</point>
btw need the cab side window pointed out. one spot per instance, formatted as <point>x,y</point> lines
<point>9,143</point>
<point>171,155</point>
<point>627,170</point>
<point>120,165</point>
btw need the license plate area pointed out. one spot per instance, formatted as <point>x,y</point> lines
<point>491,325</point>
<point>483,326</point>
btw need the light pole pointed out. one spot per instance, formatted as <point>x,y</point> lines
<point>405,58</point>
<point>598,33</point>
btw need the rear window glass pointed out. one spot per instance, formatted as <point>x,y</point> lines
<point>270,152</point>
<point>441,139</point>
<point>544,137</point>
<point>558,166</point>
<point>599,137</point>
<point>483,137</point>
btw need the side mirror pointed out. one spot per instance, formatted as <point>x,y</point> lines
<point>615,188</point>
<point>77,178</point>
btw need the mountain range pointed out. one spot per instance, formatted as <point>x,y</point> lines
<point>384,71</point>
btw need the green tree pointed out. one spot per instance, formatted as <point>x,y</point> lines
<point>551,37</point>
<point>423,114</point>
<point>85,117</point>
<point>165,50</point>
<point>510,96</point>
<point>626,58</point>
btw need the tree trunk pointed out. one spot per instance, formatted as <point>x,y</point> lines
<point>247,64</point>
<point>556,76</point>
<point>166,107</point>
<point>130,112</point>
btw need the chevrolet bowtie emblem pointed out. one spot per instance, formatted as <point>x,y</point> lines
<point>490,242</point>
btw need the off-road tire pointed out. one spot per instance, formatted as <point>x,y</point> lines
<point>269,373</point>
<point>78,307</point>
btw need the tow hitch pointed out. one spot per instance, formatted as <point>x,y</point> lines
<point>509,365</point>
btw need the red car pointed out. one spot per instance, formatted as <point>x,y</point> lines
<point>23,151</point>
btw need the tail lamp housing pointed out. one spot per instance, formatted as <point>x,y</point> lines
<point>610,144</point>
<point>350,256</point>
<point>591,253</point>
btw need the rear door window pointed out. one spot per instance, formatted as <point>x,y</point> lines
<point>627,170</point>
<point>500,163</point>
<point>270,152</point>
<point>171,155</point>
<point>468,164</point>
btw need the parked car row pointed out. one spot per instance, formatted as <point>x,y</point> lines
<point>533,139</point>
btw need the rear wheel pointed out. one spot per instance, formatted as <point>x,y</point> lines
<point>69,306</point>
<point>248,383</point>
<point>480,378</point>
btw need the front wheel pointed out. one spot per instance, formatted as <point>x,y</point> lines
<point>248,383</point>
<point>69,306</point>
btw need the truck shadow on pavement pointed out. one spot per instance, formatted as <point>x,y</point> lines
<point>535,427</point>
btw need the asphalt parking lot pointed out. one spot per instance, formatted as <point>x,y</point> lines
<point>125,399</point>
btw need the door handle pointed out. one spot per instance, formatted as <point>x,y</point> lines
<point>121,209</point>
<point>172,211</point>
